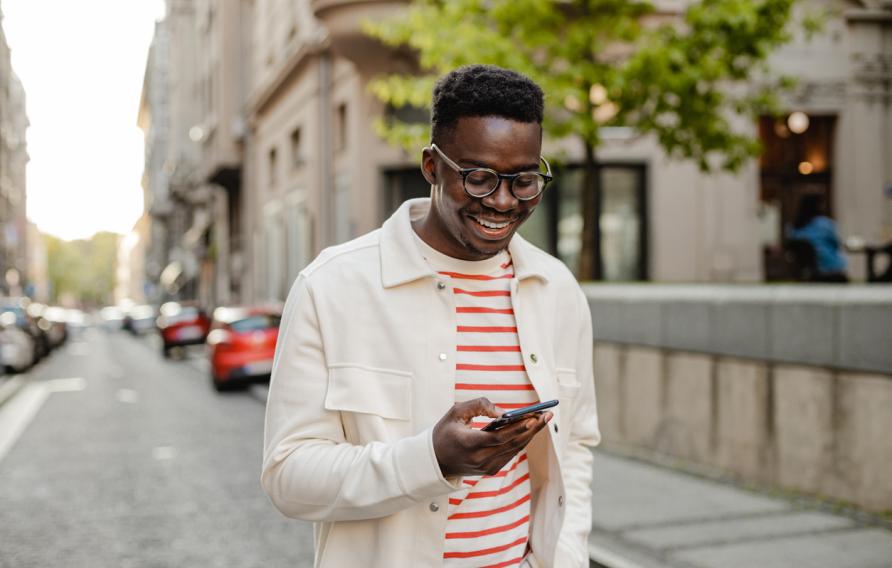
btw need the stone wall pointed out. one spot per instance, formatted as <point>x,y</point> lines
<point>772,386</point>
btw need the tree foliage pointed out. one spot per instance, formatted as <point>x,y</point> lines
<point>83,269</point>
<point>695,81</point>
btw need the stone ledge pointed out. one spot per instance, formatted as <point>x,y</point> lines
<point>838,326</point>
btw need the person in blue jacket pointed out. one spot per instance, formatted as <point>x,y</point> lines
<point>820,231</point>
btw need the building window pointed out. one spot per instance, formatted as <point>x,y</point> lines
<point>273,168</point>
<point>297,158</point>
<point>622,213</point>
<point>797,160</point>
<point>340,141</point>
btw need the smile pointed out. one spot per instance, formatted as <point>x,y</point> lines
<point>491,224</point>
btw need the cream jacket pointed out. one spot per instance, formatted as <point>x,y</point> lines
<point>364,369</point>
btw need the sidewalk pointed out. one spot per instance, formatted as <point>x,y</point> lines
<point>648,516</point>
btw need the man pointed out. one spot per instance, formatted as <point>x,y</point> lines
<point>397,347</point>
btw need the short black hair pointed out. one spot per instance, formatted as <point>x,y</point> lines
<point>484,90</point>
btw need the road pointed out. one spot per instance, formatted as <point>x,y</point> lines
<point>132,460</point>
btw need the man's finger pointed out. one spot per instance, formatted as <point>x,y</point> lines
<point>465,411</point>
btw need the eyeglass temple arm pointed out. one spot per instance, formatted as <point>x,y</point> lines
<point>456,167</point>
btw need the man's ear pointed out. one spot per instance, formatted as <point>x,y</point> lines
<point>428,166</point>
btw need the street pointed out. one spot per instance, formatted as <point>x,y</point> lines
<point>133,460</point>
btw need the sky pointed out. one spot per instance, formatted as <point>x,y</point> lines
<point>81,63</point>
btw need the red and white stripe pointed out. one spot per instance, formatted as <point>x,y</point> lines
<point>489,519</point>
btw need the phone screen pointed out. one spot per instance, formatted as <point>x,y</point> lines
<point>513,416</point>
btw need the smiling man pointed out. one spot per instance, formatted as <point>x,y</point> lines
<point>397,348</point>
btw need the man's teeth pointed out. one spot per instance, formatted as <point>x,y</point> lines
<point>491,225</point>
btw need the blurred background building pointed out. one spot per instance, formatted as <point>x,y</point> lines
<point>261,152</point>
<point>13,159</point>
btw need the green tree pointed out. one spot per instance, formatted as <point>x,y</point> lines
<point>84,269</point>
<point>686,80</point>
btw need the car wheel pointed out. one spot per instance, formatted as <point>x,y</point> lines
<point>165,351</point>
<point>226,386</point>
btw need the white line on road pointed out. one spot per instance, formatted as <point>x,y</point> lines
<point>10,386</point>
<point>129,396</point>
<point>73,384</point>
<point>16,414</point>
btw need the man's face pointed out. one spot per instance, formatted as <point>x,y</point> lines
<point>457,222</point>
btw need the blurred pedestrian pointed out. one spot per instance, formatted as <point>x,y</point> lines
<point>397,348</point>
<point>815,227</point>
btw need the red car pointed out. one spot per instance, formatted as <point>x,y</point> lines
<point>241,345</point>
<point>181,325</point>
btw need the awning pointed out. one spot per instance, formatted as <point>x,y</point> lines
<point>170,275</point>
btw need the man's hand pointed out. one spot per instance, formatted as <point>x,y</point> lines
<point>462,450</point>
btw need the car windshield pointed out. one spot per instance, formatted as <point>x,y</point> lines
<point>185,314</point>
<point>256,322</point>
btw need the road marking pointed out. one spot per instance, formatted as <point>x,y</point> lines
<point>16,414</point>
<point>9,388</point>
<point>129,396</point>
<point>73,384</point>
<point>164,453</point>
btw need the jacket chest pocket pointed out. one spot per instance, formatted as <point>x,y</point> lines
<point>375,404</point>
<point>568,389</point>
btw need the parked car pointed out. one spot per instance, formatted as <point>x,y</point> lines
<point>27,323</point>
<point>241,345</point>
<point>56,325</point>
<point>181,325</point>
<point>112,318</point>
<point>17,348</point>
<point>76,322</point>
<point>140,320</point>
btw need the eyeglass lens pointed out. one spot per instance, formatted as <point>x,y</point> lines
<point>525,185</point>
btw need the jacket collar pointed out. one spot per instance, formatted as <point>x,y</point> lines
<point>402,262</point>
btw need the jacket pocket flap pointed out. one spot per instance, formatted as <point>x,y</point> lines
<point>567,380</point>
<point>381,392</point>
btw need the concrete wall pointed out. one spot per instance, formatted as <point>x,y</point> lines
<point>772,392</point>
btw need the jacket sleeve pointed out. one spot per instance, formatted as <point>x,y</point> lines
<point>572,547</point>
<point>310,471</point>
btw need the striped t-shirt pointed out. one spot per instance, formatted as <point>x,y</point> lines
<point>489,519</point>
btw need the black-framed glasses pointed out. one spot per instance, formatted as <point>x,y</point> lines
<point>480,182</point>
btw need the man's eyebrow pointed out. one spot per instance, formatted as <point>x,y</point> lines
<point>478,164</point>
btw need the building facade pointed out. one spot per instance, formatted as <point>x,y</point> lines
<point>192,115</point>
<point>13,161</point>
<point>318,174</point>
<point>271,154</point>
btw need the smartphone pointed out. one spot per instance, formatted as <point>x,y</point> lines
<point>513,416</point>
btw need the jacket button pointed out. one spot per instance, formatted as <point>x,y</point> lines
<point>560,501</point>
<point>555,428</point>
<point>533,357</point>
<point>434,507</point>
<point>442,356</point>
<point>441,285</point>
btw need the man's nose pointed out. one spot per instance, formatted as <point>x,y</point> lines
<point>501,199</point>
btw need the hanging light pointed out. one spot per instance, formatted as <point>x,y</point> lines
<point>798,122</point>
<point>597,95</point>
<point>806,168</point>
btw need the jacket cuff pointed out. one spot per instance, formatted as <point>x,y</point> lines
<point>416,464</point>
